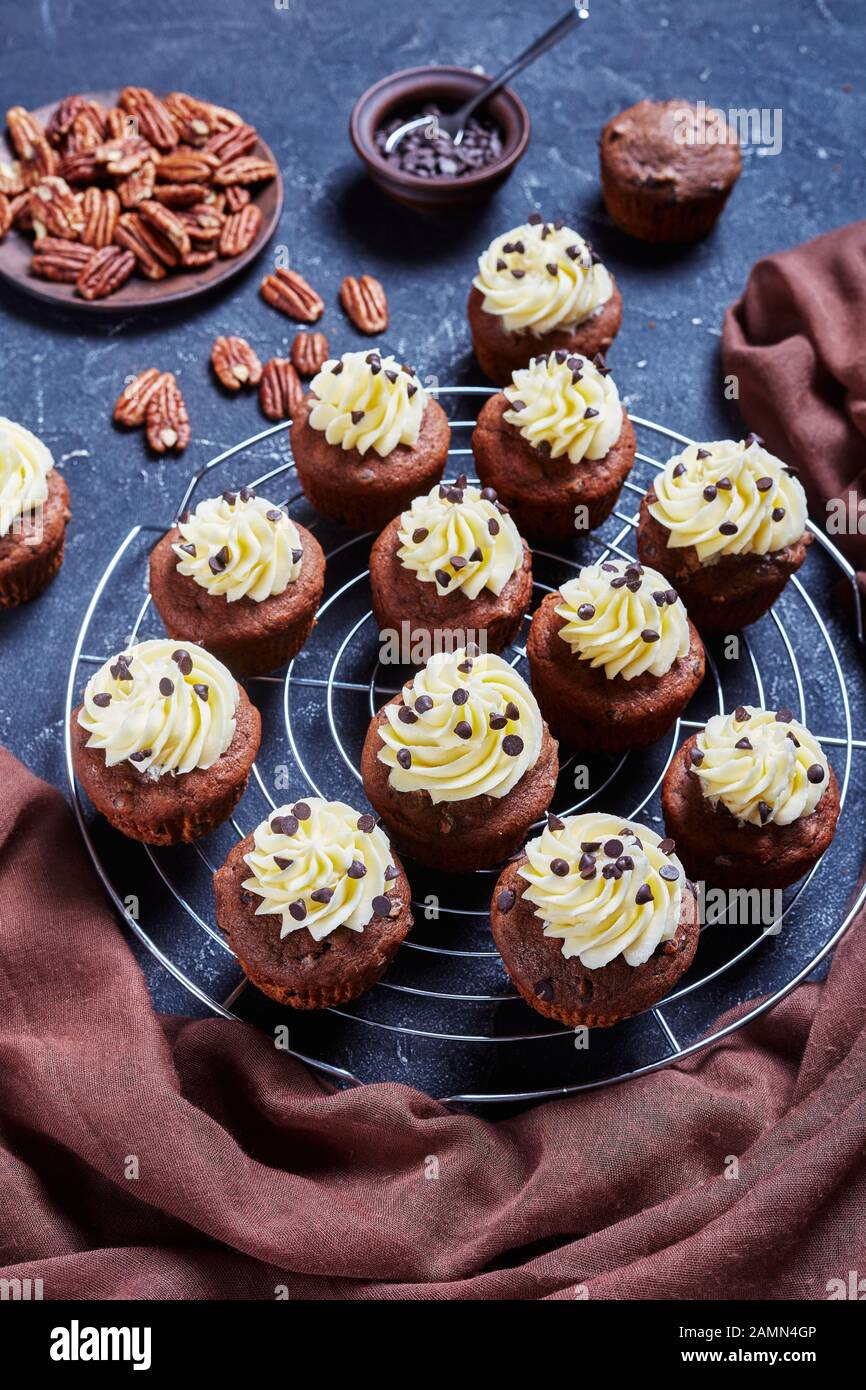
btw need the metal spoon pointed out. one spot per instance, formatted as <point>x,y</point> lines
<point>454,124</point>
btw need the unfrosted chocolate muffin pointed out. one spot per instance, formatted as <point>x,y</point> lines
<point>726,523</point>
<point>453,567</point>
<point>614,658</point>
<point>163,741</point>
<point>241,578</point>
<point>667,169</point>
<point>314,903</point>
<point>751,800</point>
<point>367,439</point>
<point>596,921</point>
<point>540,287</point>
<point>34,511</point>
<point>557,445</point>
<point>460,764</point>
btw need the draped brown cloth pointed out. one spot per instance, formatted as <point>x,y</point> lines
<point>796,341</point>
<point>146,1157</point>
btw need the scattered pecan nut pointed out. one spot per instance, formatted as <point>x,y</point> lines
<point>153,255</point>
<point>166,418</point>
<point>167,224</point>
<point>55,210</point>
<point>240,230</point>
<point>153,118</point>
<point>131,406</point>
<point>105,272</point>
<point>280,389</point>
<point>289,292</point>
<point>101,207</point>
<point>365,302</point>
<point>235,363</point>
<point>248,169</point>
<point>60,260</point>
<point>309,353</point>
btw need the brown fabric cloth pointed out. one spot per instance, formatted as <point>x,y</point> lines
<point>253,1175</point>
<point>796,340</point>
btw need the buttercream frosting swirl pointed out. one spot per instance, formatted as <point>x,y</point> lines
<point>565,404</point>
<point>366,401</point>
<point>605,887</point>
<point>625,618</point>
<point>540,278</point>
<point>467,726</point>
<point>320,865</point>
<point>762,765</point>
<point>729,498</point>
<point>25,463</point>
<point>457,538</point>
<point>240,546</point>
<point>166,706</point>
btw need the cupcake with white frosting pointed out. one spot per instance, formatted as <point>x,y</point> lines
<point>314,903</point>
<point>540,287</point>
<point>34,511</point>
<point>726,522</point>
<point>367,438</point>
<point>240,577</point>
<point>460,763</point>
<point>557,444</point>
<point>163,741</point>
<point>596,921</point>
<point>613,656</point>
<point>452,563</point>
<point>751,799</point>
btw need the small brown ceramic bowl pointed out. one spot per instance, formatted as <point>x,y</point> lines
<point>406,92</point>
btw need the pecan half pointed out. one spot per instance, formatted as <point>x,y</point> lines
<point>59,260</point>
<point>55,210</point>
<point>167,224</point>
<point>180,195</point>
<point>19,206</point>
<point>5,215</point>
<point>289,292</point>
<point>151,251</point>
<point>12,183</point>
<point>25,132</point>
<point>365,302</point>
<point>166,417</point>
<point>119,125</point>
<point>280,389</point>
<point>204,225</point>
<point>123,157</point>
<point>44,163</point>
<point>62,118</point>
<point>88,127</point>
<point>233,143</point>
<point>131,406</point>
<point>105,272</point>
<point>80,167</point>
<point>236,197</point>
<point>139,186</point>
<point>240,230</point>
<point>185,165</point>
<point>193,118</point>
<point>248,169</point>
<point>309,353</point>
<point>101,213</point>
<point>199,256</point>
<point>152,116</point>
<point>223,117</point>
<point>235,363</point>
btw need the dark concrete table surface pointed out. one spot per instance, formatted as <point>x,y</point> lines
<point>294,69</point>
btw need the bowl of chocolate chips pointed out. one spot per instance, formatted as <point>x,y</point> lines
<point>426,169</point>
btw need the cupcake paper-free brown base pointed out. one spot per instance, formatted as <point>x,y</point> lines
<point>297,970</point>
<point>542,493</point>
<point>250,638</point>
<point>715,848</point>
<point>458,836</point>
<point>585,709</point>
<point>365,491</point>
<point>727,595</point>
<point>400,596</point>
<point>170,809</point>
<point>565,990</point>
<point>31,553</point>
<point>500,353</point>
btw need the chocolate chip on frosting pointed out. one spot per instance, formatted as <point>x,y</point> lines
<point>356,869</point>
<point>404,758</point>
<point>679,470</point>
<point>462,729</point>
<point>218,562</point>
<point>357,417</point>
<point>778,513</point>
<point>498,721</point>
<point>301,810</point>
<point>322,895</point>
<point>381,905</point>
<point>166,687</point>
<point>784,716</point>
<point>710,492</point>
<point>511,711</point>
<point>284,825</point>
<point>667,846</point>
<point>752,438</point>
<point>202,691</point>
<point>423,703</point>
<point>460,695</point>
<point>367,823</point>
<point>442,578</point>
<point>406,715</point>
<point>512,745</point>
<point>559,867</point>
<point>420,534</point>
<point>586,611</point>
<point>764,811</point>
<point>613,848</point>
<point>728,528</point>
<point>554,822</point>
<point>745,744</point>
<point>696,756</point>
<point>493,526</point>
<point>703,454</point>
<point>102,700</point>
<point>644,895</point>
<point>815,773</point>
<point>391,873</point>
<point>741,714</point>
<point>141,756</point>
<point>669,872</point>
<point>298,910</point>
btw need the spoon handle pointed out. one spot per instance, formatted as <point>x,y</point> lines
<point>547,40</point>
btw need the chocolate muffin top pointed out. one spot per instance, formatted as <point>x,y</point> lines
<point>673,148</point>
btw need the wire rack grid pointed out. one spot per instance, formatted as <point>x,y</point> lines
<point>447,995</point>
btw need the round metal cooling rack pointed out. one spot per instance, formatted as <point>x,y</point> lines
<point>446,1018</point>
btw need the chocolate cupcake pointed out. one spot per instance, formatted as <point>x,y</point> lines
<point>667,168</point>
<point>241,578</point>
<point>556,444</point>
<point>314,903</point>
<point>596,921</point>
<point>613,656</point>
<point>751,800</point>
<point>540,287</point>
<point>163,742</point>
<point>726,523</point>
<point>367,439</point>
<point>451,567</point>
<point>34,510</point>
<point>461,763</point>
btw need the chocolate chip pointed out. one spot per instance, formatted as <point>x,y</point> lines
<point>512,745</point>
<point>357,417</point>
<point>590,846</point>
<point>493,526</point>
<point>392,872</point>
<point>669,872</point>
<point>498,721</point>
<point>554,822</point>
<point>322,895</point>
<point>728,528</point>
<point>463,729</point>
<point>188,549</point>
<point>679,470</point>
<point>356,869</point>
<point>274,514</point>
<point>381,905</point>
<point>753,439</point>
<point>572,252</point>
<point>166,687</point>
<point>465,667</point>
<point>283,863</point>
<point>284,825</point>
<point>551,269</point>
<point>703,453</point>
<point>724,484</point>
<point>590,413</point>
<point>411,389</point>
<point>101,700</point>
<point>710,492</point>
<point>404,758</point>
<point>297,556</point>
<point>794,740</point>
<point>764,484</point>
<point>667,846</point>
<point>815,773</point>
<point>302,810</point>
<point>501,264</point>
<point>741,714</point>
<point>613,848</point>
<point>744,743</point>
<point>230,497</point>
<point>506,900</point>
<point>778,513</point>
<point>247,494</point>
<point>420,535</point>
<point>517,406</point>
<point>298,910</point>
<point>644,895</point>
<point>535,219</point>
<point>423,703</point>
<point>141,756</point>
<point>406,715</point>
<point>586,862</point>
<point>202,691</point>
<point>671,595</point>
<point>618,582</point>
<point>624,863</point>
<point>336,369</point>
<point>442,578</point>
<point>696,756</point>
<point>518,274</point>
<point>543,989</point>
<point>458,562</point>
<point>511,711</point>
<point>611,871</point>
<point>586,611</point>
<point>784,716</point>
<point>489,494</point>
<point>476,555</point>
<point>764,811</point>
<point>650,635</point>
<point>218,562</point>
<point>460,695</point>
<point>120,670</point>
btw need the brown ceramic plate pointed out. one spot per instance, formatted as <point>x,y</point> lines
<point>137,293</point>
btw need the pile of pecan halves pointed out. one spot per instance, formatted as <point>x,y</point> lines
<point>154,186</point>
